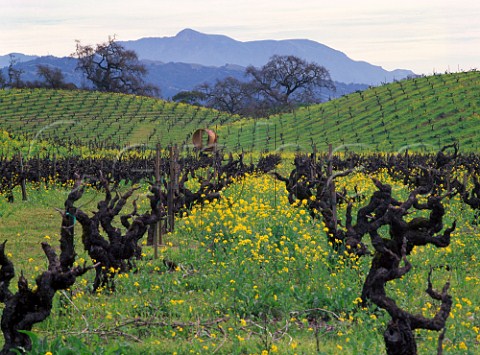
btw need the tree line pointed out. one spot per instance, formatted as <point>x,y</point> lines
<point>284,82</point>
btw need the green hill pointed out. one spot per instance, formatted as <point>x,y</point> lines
<point>94,118</point>
<point>421,112</point>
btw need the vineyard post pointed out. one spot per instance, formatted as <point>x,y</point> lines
<point>333,194</point>
<point>172,187</point>
<point>157,229</point>
<point>314,161</point>
<point>22,176</point>
<point>39,173</point>
<point>214,163</point>
<point>275,149</point>
<point>54,166</point>
<point>67,174</point>
<point>170,192</point>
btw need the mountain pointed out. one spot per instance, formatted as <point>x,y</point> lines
<point>192,58</point>
<point>18,57</point>
<point>170,77</point>
<point>190,46</point>
<point>66,65</point>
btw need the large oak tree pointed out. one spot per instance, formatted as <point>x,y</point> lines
<point>282,83</point>
<point>287,79</point>
<point>110,67</point>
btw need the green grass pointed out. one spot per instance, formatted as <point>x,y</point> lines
<point>255,274</point>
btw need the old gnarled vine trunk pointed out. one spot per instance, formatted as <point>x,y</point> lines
<point>31,305</point>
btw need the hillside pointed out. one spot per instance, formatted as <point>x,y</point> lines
<point>100,119</point>
<point>190,46</point>
<point>423,112</point>
<point>426,113</point>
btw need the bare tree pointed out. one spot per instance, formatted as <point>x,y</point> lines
<point>287,79</point>
<point>14,74</point>
<point>229,94</point>
<point>52,77</point>
<point>3,81</point>
<point>111,67</point>
<point>283,82</point>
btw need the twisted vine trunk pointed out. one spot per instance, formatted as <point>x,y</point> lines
<point>31,305</point>
<point>309,181</point>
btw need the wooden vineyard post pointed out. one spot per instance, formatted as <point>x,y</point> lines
<point>215,164</point>
<point>54,166</point>
<point>22,177</point>
<point>39,173</point>
<point>275,149</point>
<point>314,162</point>
<point>172,187</point>
<point>157,229</point>
<point>170,192</point>
<point>333,194</point>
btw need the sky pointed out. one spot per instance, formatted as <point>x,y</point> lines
<point>425,36</point>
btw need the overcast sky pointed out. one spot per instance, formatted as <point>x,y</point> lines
<point>421,35</point>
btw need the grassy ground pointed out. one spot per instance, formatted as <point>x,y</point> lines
<point>255,276</point>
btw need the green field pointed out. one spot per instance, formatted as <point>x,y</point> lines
<point>256,276</point>
<point>101,119</point>
<point>425,112</point>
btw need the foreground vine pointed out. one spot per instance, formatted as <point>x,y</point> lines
<point>31,305</point>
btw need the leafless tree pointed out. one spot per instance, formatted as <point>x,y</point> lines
<point>287,79</point>
<point>110,67</point>
<point>52,77</point>
<point>3,81</point>
<point>14,73</point>
<point>229,94</point>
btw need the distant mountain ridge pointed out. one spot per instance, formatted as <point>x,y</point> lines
<point>190,46</point>
<point>191,58</point>
<point>19,57</point>
<point>170,77</point>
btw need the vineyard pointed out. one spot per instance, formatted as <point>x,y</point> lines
<point>426,113</point>
<point>121,238</point>
<point>100,120</point>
